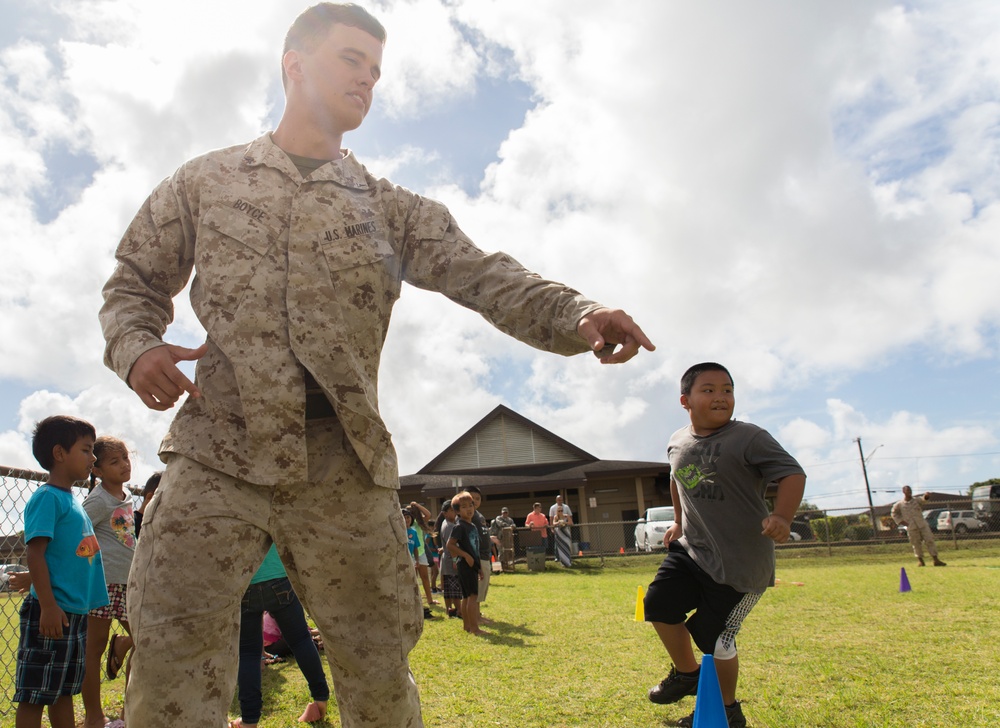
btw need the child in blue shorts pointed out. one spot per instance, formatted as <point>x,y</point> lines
<point>67,577</point>
<point>720,556</point>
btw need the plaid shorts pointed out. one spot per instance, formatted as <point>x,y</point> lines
<point>48,669</point>
<point>115,608</point>
<point>451,586</point>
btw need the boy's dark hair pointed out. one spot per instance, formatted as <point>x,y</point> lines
<point>314,23</point>
<point>60,430</point>
<point>687,381</point>
<point>152,483</point>
<point>474,489</point>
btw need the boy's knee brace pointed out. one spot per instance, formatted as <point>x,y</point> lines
<point>724,649</point>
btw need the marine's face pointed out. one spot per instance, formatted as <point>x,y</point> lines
<point>338,77</point>
<point>711,402</point>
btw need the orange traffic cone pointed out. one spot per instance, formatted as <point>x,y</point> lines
<point>621,550</point>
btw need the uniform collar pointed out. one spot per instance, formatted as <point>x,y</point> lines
<point>347,172</point>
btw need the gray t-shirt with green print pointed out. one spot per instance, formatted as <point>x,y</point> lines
<point>721,480</point>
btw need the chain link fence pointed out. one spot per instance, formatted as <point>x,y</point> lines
<point>16,486</point>
<point>954,523</point>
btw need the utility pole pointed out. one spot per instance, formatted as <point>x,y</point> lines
<point>868,489</point>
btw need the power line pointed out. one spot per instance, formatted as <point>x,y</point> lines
<point>903,457</point>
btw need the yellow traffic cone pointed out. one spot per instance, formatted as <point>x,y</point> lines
<point>640,613</point>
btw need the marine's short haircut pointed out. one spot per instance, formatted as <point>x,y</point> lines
<point>62,430</point>
<point>687,381</point>
<point>313,25</point>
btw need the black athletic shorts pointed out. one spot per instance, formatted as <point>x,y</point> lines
<point>681,586</point>
<point>468,577</point>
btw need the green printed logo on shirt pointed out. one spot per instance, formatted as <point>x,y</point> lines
<point>690,476</point>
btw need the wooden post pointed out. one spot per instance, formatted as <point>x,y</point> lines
<point>507,549</point>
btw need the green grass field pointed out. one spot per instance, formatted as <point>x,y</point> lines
<point>844,649</point>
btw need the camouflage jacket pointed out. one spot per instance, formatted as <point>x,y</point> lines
<point>294,274</point>
<point>910,511</point>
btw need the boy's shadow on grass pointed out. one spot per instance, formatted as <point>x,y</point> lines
<point>509,635</point>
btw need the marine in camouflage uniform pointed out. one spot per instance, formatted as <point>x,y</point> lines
<point>295,276</point>
<point>909,512</point>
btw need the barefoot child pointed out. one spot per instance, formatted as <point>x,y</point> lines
<point>66,573</point>
<point>109,506</point>
<point>419,516</point>
<point>450,585</point>
<point>271,591</point>
<point>464,545</point>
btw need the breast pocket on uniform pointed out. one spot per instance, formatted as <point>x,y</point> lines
<point>365,272</point>
<point>231,245</point>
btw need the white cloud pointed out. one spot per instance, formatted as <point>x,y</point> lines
<point>800,191</point>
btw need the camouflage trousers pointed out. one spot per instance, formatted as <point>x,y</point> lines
<point>919,534</point>
<point>343,543</point>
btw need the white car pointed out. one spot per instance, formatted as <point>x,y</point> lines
<point>5,571</point>
<point>649,531</point>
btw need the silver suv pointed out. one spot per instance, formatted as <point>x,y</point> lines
<point>961,521</point>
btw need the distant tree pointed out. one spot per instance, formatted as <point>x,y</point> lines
<point>807,507</point>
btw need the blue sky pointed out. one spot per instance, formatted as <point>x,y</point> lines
<point>808,193</point>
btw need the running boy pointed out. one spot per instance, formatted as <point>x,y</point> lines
<point>464,546</point>
<point>67,577</point>
<point>721,547</point>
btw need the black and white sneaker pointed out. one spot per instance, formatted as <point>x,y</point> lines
<point>674,687</point>
<point>734,716</point>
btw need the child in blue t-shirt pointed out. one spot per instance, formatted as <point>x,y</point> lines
<point>412,539</point>
<point>67,577</point>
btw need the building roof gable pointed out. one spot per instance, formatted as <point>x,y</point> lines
<point>504,440</point>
